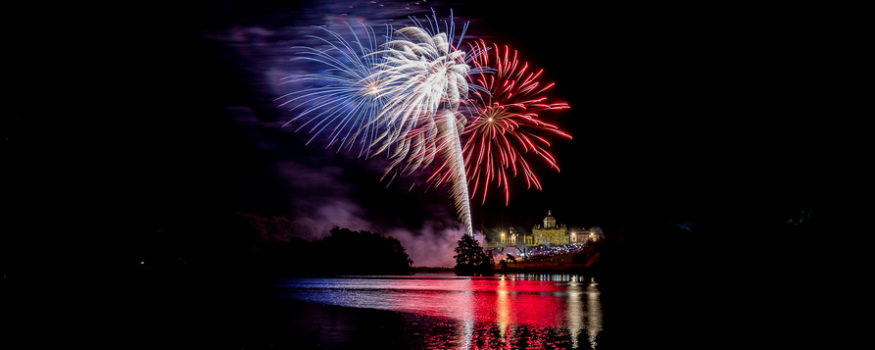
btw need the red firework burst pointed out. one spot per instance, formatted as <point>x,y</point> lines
<point>507,126</point>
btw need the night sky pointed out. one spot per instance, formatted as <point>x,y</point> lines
<point>143,132</point>
<point>690,114</point>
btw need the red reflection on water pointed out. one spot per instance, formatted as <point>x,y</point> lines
<point>533,303</point>
<point>503,313</point>
<point>477,313</point>
<point>488,337</point>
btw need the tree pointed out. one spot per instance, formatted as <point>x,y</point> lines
<point>470,257</point>
<point>362,252</point>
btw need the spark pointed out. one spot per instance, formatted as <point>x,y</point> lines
<point>508,126</point>
<point>415,96</point>
<point>424,77</point>
<point>344,97</point>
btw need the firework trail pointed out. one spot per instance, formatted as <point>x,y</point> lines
<point>425,81</point>
<point>507,126</point>
<point>344,99</point>
<point>408,96</point>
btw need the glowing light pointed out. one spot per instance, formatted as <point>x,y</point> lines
<point>508,126</point>
<point>343,94</point>
<point>403,93</point>
<point>575,312</point>
<point>372,88</point>
<point>424,79</point>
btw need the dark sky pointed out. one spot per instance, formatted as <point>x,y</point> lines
<point>682,113</point>
<point>682,110</point>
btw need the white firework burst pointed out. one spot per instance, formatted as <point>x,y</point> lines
<point>424,82</point>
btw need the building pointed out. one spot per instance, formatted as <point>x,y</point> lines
<point>550,233</point>
<point>512,237</point>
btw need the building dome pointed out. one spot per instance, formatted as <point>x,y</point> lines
<point>549,221</point>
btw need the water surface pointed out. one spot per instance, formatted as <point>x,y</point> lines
<point>444,311</point>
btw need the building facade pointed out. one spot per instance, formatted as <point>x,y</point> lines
<point>550,233</point>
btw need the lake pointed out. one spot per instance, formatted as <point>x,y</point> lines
<point>443,311</point>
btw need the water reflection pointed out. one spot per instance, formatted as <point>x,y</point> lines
<point>575,312</point>
<point>593,312</point>
<point>503,312</point>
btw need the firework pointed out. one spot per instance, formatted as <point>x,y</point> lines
<point>414,95</point>
<point>425,81</point>
<point>343,97</point>
<point>507,126</point>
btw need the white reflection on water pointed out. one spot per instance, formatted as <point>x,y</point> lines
<point>532,309</point>
<point>575,312</point>
<point>466,327</point>
<point>594,312</point>
<point>503,307</point>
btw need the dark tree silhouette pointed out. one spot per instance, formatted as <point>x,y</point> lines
<point>357,252</point>
<point>470,257</point>
<point>248,248</point>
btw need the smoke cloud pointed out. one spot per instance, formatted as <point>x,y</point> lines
<point>321,200</point>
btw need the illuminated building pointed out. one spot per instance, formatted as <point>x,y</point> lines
<point>550,233</point>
